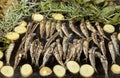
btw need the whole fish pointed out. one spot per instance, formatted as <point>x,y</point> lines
<point>74,29</point>
<point>70,53</point>
<point>38,53</point>
<point>48,28</point>
<point>86,47</point>
<point>59,46</point>
<point>53,27</point>
<point>64,29</point>
<point>92,57</point>
<point>112,51</point>
<point>50,40</point>
<point>9,52</point>
<point>105,65</point>
<point>90,27</point>
<point>79,49</point>
<point>58,28</point>
<point>84,29</point>
<point>32,51</point>
<point>27,43</point>
<point>18,57</point>
<point>103,48</point>
<point>47,55</point>
<point>115,43</point>
<point>42,28</point>
<point>95,38</point>
<point>100,30</point>
<point>57,56</point>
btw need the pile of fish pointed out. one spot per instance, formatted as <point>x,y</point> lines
<point>65,40</point>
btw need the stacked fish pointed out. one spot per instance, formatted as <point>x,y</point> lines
<point>66,41</point>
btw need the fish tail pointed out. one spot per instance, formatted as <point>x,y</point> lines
<point>106,37</point>
<point>113,62</point>
<point>106,76</point>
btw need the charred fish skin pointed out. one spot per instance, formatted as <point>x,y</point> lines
<point>60,49</point>
<point>90,27</point>
<point>52,30</point>
<point>115,43</point>
<point>103,48</point>
<point>92,57</point>
<point>57,56</point>
<point>27,43</point>
<point>42,28</point>
<point>47,27</point>
<point>84,29</point>
<point>9,52</point>
<point>112,51</point>
<point>58,28</point>
<point>74,29</point>
<point>100,30</point>
<point>64,29</point>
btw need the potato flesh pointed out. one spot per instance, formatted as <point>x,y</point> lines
<point>26,70</point>
<point>1,64</point>
<point>7,71</point>
<point>45,71</point>
<point>109,28</point>
<point>58,16</point>
<point>115,68</point>
<point>37,17</point>
<point>118,36</point>
<point>12,36</point>
<point>1,54</point>
<point>23,23</point>
<point>73,67</point>
<point>86,70</point>
<point>59,71</point>
<point>20,29</point>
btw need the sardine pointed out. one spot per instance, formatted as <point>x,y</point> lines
<point>86,47</point>
<point>95,39</point>
<point>90,27</point>
<point>92,57</point>
<point>64,29</point>
<point>70,53</point>
<point>38,54</point>
<point>112,51</point>
<point>27,43</point>
<point>57,56</point>
<point>74,29</point>
<point>79,49</point>
<point>58,28</point>
<point>47,27</point>
<point>46,56</point>
<point>105,65</point>
<point>50,40</point>
<point>84,29</point>
<point>115,43</point>
<point>100,30</point>
<point>53,27</point>
<point>42,28</point>
<point>9,52</point>
<point>103,48</point>
<point>59,46</point>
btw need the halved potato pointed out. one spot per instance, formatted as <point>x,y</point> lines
<point>12,36</point>
<point>59,71</point>
<point>7,71</point>
<point>109,28</point>
<point>86,70</point>
<point>45,71</point>
<point>23,23</point>
<point>1,54</point>
<point>37,17</point>
<point>73,67</point>
<point>20,29</point>
<point>1,64</point>
<point>118,36</point>
<point>58,16</point>
<point>115,68</point>
<point>26,70</point>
